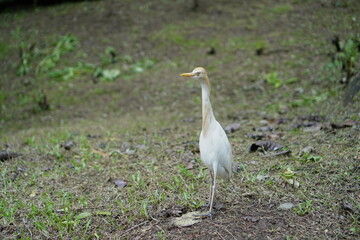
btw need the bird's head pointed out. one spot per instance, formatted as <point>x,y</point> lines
<point>198,73</point>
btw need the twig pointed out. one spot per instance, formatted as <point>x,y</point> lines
<point>230,233</point>
<point>27,227</point>
<point>132,228</point>
<point>220,235</point>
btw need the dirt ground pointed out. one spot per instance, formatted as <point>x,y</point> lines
<point>104,132</point>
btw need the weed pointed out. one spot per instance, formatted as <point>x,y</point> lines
<point>288,173</point>
<point>26,55</point>
<point>64,45</point>
<point>304,208</point>
<point>308,100</point>
<point>70,73</point>
<point>109,57</point>
<point>349,56</point>
<point>274,80</point>
<point>307,158</point>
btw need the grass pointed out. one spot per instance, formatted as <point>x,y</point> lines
<point>118,99</point>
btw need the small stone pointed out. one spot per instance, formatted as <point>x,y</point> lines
<point>120,183</point>
<point>68,145</point>
<point>189,166</point>
<point>293,183</point>
<point>286,206</point>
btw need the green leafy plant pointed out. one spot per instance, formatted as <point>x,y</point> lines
<point>304,208</point>
<point>274,80</point>
<point>349,56</point>
<point>307,158</point>
<point>70,73</point>
<point>308,100</point>
<point>65,44</point>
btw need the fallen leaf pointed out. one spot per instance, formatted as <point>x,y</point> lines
<point>232,127</point>
<point>188,219</point>
<point>265,146</point>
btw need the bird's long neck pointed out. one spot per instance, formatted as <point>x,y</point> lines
<point>207,112</point>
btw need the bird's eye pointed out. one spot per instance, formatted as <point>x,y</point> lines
<point>197,74</point>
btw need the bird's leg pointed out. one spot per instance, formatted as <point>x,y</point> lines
<point>212,182</point>
<point>212,193</point>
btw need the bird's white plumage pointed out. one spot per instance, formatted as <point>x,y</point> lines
<point>215,150</point>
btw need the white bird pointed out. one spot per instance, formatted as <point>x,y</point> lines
<point>215,148</point>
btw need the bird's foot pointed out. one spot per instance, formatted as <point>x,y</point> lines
<point>204,215</point>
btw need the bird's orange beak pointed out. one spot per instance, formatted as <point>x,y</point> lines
<point>187,74</point>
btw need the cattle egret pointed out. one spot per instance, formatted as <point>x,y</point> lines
<point>215,149</point>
